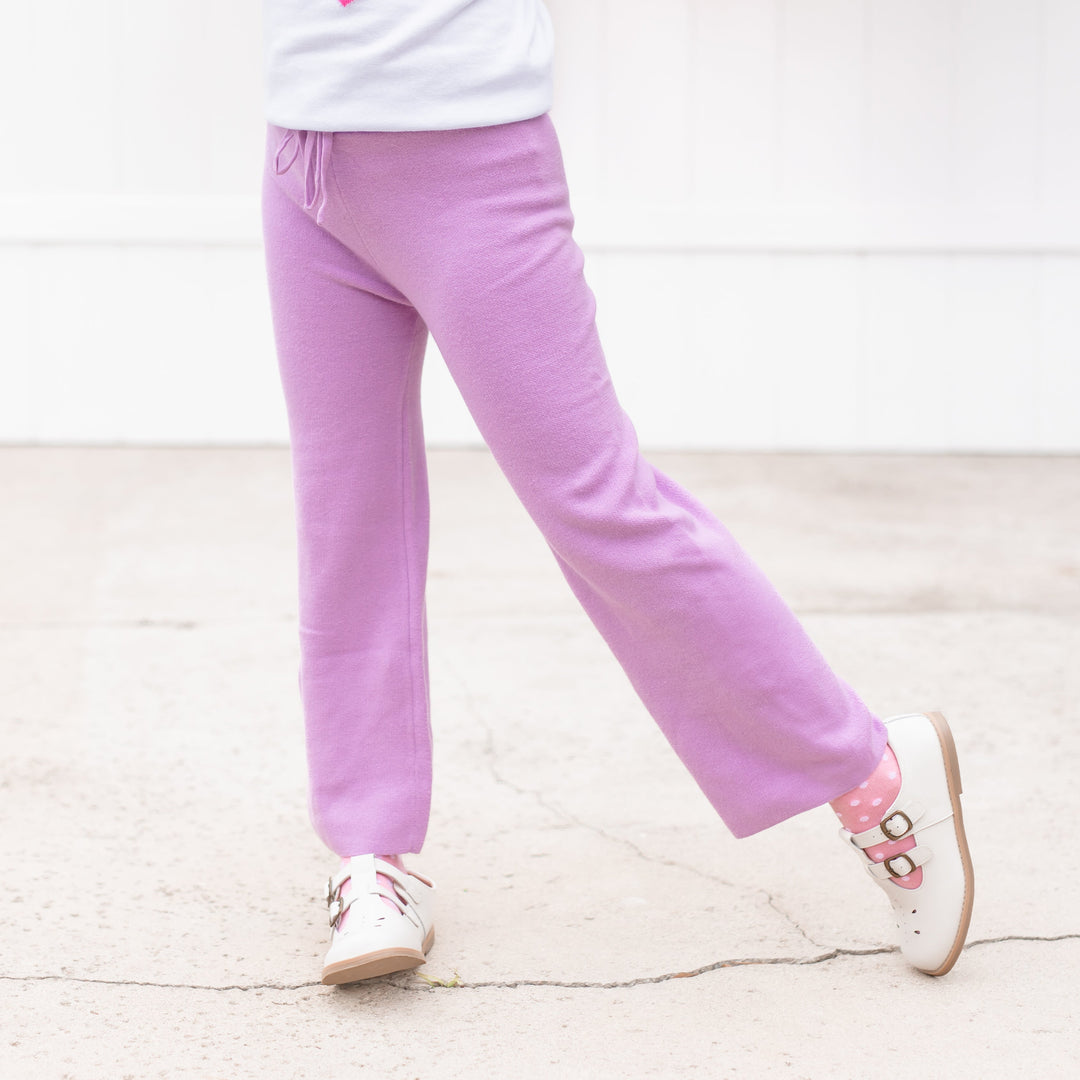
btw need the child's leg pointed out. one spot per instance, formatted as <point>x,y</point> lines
<point>474,227</point>
<point>350,352</point>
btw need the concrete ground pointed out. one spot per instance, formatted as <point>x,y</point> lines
<point>160,909</point>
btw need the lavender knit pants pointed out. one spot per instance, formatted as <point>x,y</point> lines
<point>372,240</point>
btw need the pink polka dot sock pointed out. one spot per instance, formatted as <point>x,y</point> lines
<point>382,879</point>
<point>864,806</point>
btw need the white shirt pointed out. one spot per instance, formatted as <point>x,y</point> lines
<point>406,65</point>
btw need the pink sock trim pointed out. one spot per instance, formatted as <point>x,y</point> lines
<point>864,806</point>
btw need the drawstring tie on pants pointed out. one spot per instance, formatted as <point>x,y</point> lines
<point>314,148</point>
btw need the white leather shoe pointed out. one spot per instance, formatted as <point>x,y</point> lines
<point>933,918</point>
<point>375,940</point>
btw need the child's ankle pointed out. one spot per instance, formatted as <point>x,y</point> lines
<point>394,860</point>
<point>864,806</point>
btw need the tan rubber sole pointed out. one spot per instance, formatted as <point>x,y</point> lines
<point>372,965</point>
<point>952,772</point>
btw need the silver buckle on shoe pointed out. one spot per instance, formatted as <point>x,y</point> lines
<point>333,902</point>
<point>897,825</point>
<point>900,866</point>
<point>337,909</point>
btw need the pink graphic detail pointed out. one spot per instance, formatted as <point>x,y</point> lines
<point>863,807</point>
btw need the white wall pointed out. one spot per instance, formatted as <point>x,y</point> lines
<point>809,223</point>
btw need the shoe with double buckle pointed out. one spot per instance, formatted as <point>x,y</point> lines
<point>376,938</point>
<point>933,918</point>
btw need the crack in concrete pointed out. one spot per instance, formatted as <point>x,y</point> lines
<point>782,961</point>
<point>491,755</point>
<point>791,920</point>
<point>396,981</point>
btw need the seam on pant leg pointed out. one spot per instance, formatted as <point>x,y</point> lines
<point>417,654</point>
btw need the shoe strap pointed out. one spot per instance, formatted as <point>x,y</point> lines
<point>406,910</point>
<point>400,895</point>
<point>897,823</point>
<point>333,885</point>
<point>900,865</point>
<point>379,866</point>
<point>398,877</point>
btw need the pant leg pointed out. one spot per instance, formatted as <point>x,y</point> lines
<point>475,227</point>
<point>350,351</point>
